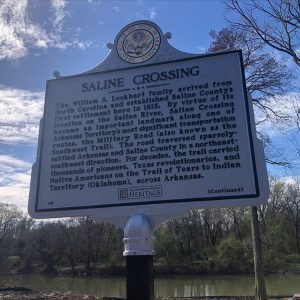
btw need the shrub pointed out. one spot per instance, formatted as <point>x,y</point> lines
<point>231,257</point>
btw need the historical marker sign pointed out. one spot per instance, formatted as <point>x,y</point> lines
<point>175,133</point>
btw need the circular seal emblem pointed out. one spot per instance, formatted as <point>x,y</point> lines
<point>138,43</point>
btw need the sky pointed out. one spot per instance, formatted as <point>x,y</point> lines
<point>38,37</point>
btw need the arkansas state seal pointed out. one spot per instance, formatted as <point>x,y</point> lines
<point>138,43</point>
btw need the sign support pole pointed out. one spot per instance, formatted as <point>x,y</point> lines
<point>139,250</point>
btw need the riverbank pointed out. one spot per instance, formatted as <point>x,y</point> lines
<point>100,270</point>
<point>22,293</point>
<point>14,265</point>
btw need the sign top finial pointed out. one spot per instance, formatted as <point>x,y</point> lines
<point>139,43</point>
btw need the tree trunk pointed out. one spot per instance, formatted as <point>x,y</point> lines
<point>72,263</point>
<point>260,288</point>
<point>88,264</point>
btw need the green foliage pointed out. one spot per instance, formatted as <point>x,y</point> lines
<point>167,248</point>
<point>274,261</point>
<point>231,257</point>
<point>115,258</point>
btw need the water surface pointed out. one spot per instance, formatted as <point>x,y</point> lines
<point>166,286</point>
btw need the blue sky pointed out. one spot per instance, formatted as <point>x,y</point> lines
<point>38,37</point>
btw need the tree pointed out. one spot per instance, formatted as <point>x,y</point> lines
<point>292,208</point>
<point>166,245</point>
<point>110,242</point>
<point>239,222</point>
<point>45,246</point>
<point>231,256</point>
<point>213,225</point>
<point>86,242</point>
<point>70,241</point>
<point>260,288</point>
<point>10,215</point>
<point>270,212</point>
<point>267,78</point>
<point>275,22</point>
<point>274,225</point>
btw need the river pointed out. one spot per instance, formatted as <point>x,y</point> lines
<point>176,286</point>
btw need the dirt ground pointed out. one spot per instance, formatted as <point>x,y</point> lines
<point>22,293</point>
<point>18,293</point>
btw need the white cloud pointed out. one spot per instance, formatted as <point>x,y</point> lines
<point>117,8</point>
<point>41,44</point>
<point>15,180</point>
<point>21,112</point>
<point>282,115</point>
<point>60,13</point>
<point>19,33</point>
<point>152,13</point>
<point>10,164</point>
<point>94,2</point>
<point>81,45</point>
<point>290,179</point>
<point>14,195</point>
<point>149,13</point>
<point>201,49</point>
<point>139,15</point>
<point>16,30</point>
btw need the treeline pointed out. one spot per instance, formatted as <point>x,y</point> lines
<point>204,242</point>
<point>220,241</point>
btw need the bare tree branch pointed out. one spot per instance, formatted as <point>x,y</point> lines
<point>266,79</point>
<point>279,26</point>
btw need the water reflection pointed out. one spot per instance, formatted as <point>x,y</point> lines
<point>204,286</point>
<point>176,286</point>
